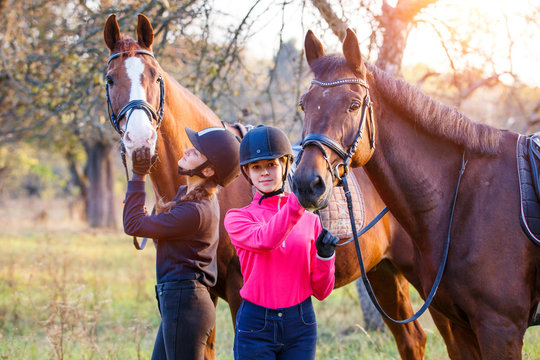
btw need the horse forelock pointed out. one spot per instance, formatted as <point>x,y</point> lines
<point>126,45</point>
<point>329,64</point>
<point>433,116</point>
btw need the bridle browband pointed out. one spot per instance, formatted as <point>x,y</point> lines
<point>340,82</point>
<point>319,140</point>
<point>135,104</point>
<point>120,53</point>
<point>126,112</point>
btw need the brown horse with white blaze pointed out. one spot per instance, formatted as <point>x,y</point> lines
<point>412,149</point>
<point>150,109</point>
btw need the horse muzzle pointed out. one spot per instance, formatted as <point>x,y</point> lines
<point>312,189</point>
<point>139,133</point>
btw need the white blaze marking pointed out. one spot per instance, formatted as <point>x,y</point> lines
<point>141,132</point>
<point>134,69</point>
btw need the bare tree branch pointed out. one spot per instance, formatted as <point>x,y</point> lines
<point>338,26</point>
<point>426,76</point>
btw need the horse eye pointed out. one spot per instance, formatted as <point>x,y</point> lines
<point>354,106</point>
<point>110,81</point>
<point>159,79</point>
<point>301,106</point>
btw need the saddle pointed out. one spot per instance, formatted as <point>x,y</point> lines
<point>528,162</point>
<point>242,129</point>
<point>335,216</point>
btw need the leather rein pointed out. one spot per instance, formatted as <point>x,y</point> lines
<point>319,140</point>
<point>126,112</point>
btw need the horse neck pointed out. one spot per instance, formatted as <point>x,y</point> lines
<point>415,173</point>
<point>181,109</point>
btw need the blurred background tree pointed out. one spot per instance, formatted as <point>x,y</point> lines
<point>245,60</point>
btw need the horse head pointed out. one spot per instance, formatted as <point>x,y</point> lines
<point>135,87</point>
<point>338,120</point>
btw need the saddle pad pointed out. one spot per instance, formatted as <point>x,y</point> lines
<point>530,207</point>
<point>335,217</point>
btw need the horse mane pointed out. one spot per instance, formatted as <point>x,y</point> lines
<point>433,116</point>
<point>428,113</point>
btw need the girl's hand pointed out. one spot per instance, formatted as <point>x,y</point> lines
<point>143,161</point>
<point>326,243</point>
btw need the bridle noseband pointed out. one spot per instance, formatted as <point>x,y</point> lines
<point>135,104</point>
<point>319,140</point>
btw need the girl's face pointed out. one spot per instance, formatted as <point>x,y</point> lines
<point>191,159</point>
<point>266,175</point>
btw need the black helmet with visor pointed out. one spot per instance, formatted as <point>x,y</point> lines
<point>221,148</point>
<point>266,143</point>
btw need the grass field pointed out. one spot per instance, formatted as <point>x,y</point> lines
<point>67,292</point>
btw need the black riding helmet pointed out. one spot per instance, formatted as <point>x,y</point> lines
<point>221,148</point>
<point>265,143</point>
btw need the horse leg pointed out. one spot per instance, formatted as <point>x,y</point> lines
<point>460,342</point>
<point>392,290</point>
<point>445,329</point>
<point>234,284</point>
<point>499,338</point>
<point>210,349</point>
<point>466,347</point>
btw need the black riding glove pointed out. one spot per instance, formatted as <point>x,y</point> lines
<point>143,161</point>
<point>326,243</point>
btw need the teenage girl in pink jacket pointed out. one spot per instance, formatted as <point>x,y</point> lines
<point>284,253</point>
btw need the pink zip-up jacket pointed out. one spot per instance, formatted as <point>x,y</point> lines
<point>275,242</point>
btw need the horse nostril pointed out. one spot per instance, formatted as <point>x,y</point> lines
<point>152,137</point>
<point>317,184</point>
<point>126,137</point>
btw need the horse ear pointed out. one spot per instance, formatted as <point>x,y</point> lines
<point>351,51</point>
<point>111,32</point>
<point>145,33</point>
<point>313,46</point>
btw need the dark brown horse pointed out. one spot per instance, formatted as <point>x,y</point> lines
<point>136,80</point>
<point>491,284</point>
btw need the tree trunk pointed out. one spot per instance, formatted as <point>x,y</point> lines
<point>79,180</point>
<point>100,209</point>
<point>338,26</point>
<point>396,23</point>
<point>373,320</point>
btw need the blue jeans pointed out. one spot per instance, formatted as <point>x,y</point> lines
<point>188,316</point>
<point>285,334</point>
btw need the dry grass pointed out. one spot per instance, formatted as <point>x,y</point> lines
<point>67,292</point>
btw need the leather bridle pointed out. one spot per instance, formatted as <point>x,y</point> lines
<point>135,104</point>
<point>319,140</point>
<point>126,112</point>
